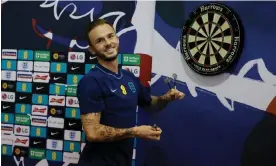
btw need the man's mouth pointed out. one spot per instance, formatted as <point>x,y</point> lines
<point>110,50</point>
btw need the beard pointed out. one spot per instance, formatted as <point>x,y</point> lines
<point>105,58</point>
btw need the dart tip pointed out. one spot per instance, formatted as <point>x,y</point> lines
<point>169,86</point>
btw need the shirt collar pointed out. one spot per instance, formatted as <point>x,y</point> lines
<point>109,72</point>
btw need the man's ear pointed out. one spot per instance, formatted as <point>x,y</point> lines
<point>91,50</point>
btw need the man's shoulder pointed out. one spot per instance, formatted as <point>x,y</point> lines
<point>93,74</point>
<point>90,82</point>
<point>88,79</point>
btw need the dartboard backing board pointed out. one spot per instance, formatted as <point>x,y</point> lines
<point>211,39</point>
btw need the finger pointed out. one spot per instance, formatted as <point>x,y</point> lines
<point>154,128</point>
<point>182,96</point>
<point>178,95</point>
<point>156,133</point>
<point>159,129</point>
<point>157,138</point>
<point>171,94</point>
<point>154,138</point>
<point>174,95</point>
<point>173,91</point>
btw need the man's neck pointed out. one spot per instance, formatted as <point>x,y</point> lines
<point>112,65</point>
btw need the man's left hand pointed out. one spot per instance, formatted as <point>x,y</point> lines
<point>173,94</point>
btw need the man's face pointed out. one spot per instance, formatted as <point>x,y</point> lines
<point>105,43</point>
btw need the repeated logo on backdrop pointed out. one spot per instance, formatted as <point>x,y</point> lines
<point>40,111</point>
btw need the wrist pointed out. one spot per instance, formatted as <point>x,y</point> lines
<point>134,131</point>
<point>164,98</point>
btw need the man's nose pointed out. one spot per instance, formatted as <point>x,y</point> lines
<point>107,41</point>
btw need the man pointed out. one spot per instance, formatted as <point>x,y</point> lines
<point>108,97</point>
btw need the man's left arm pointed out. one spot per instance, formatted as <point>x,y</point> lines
<point>156,103</point>
<point>160,102</point>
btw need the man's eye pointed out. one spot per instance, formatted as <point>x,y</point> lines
<point>100,40</point>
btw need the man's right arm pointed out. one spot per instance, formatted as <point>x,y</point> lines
<point>91,105</point>
<point>96,132</point>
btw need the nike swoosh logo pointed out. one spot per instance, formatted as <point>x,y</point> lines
<point>74,68</point>
<point>5,107</point>
<point>113,90</point>
<point>54,133</point>
<point>56,78</point>
<point>21,98</point>
<point>71,124</point>
<point>92,57</point>
<point>38,88</point>
<point>36,142</point>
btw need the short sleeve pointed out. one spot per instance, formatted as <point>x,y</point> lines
<point>89,95</point>
<point>144,98</point>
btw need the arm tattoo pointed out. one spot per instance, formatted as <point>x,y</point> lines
<point>91,123</point>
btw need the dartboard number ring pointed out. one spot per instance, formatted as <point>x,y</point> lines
<point>211,39</point>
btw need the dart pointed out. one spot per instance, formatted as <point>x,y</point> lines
<point>167,81</point>
<point>155,127</point>
<point>174,79</point>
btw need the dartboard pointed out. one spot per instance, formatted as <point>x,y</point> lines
<point>211,39</point>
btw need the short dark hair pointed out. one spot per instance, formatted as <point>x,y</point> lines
<point>94,24</point>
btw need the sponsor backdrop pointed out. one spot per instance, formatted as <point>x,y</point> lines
<point>222,121</point>
<point>40,111</point>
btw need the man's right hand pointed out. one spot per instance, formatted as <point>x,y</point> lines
<point>147,132</point>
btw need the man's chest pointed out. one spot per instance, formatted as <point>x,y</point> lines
<point>120,94</point>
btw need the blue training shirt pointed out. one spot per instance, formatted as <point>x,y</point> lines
<point>116,96</point>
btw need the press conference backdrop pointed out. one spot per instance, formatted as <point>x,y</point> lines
<point>221,116</point>
<point>40,111</point>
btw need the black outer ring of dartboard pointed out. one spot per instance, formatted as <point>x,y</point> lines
<point>237,27</point>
